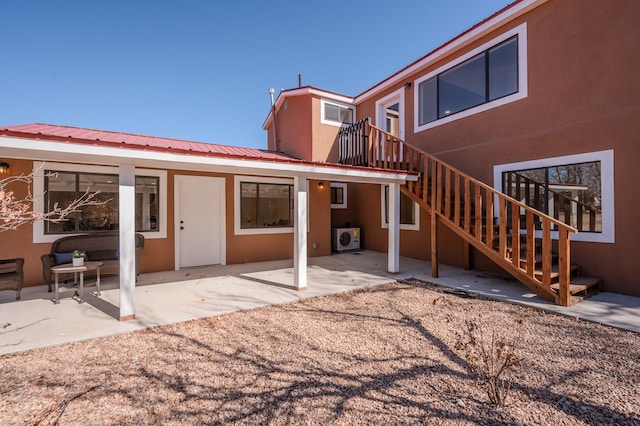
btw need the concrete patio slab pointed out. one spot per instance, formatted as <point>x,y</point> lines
<point>176,296</point>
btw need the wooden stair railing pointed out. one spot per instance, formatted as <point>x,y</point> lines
<point>468,207</point>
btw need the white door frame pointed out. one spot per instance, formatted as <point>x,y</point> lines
<point>176,223</point>
<point>381,110</point>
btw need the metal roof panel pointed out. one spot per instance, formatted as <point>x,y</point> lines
<point>75,134</point>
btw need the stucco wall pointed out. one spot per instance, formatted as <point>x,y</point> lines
<point>294,127</point>
<point>258,248</point>
<point>301,132</point>
<point>18,243</point>
<point>324,136</point>
<point>158,254</point>
<point>583,96</point>
<point>364,210</point>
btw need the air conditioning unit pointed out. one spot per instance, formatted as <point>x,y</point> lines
<point>345,239</point>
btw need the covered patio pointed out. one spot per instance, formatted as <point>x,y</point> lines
<point>176,296</point>
<point>123,157</point>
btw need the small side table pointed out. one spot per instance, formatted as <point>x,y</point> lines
<point>69,268</point>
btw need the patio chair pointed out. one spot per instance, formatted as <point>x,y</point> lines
<point>11,275</point>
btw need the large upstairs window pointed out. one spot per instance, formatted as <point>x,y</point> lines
<point>489,76</point>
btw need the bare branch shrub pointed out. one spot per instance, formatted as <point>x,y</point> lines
<point>52,414</point>
<point>16,211</point>
<point>494,359</point>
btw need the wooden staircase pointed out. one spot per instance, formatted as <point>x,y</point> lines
<point>580,286</point>
<point>517,237</point>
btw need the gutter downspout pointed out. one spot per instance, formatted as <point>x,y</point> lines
<point>275,120</point>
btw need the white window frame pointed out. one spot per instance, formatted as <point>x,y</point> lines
<point>523,88</point>
<point>237,198</point>
<point>39,168</point>
<point>342,185</point>
<point>324,120</point>
<point>407,227</point>
<point>607,203</point>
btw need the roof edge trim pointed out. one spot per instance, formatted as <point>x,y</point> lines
<point>508,13</point>
<point>307,90</point>
<point>79,152</point>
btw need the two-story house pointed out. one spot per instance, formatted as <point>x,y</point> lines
<point>539,101</point>
<point>511,148</point>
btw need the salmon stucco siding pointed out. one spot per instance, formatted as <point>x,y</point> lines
<point>583,97</point>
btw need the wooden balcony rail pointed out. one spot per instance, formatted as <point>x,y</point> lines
<point>479,214</point>
<point>353,143</point>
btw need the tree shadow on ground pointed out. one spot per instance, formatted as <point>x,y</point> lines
<point>213,372</point>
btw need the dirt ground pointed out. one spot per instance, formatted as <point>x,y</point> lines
<point>384,355</point>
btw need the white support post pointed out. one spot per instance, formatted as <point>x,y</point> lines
<point>300,187</point>
<point>127,218</point>
<point>393,256</point>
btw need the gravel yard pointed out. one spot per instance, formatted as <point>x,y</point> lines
<point>385,355</point>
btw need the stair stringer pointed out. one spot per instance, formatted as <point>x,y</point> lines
<point>516,272</point>
<point>446,191</point>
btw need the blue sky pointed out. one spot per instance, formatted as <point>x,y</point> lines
<point>200,70</point>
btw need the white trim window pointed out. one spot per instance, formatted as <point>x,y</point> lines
<point>336,114</point>
<point>338,195</point>
<point>492,75</point>
<point>60,183</point>
<point>263,205</point>
<point>409,211</point>
<point>575,189</point>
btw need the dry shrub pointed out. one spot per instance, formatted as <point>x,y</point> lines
<point>494,359</point>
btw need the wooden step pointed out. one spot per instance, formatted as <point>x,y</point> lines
<point>523,244</point>
<point>582,286</point>
<point>537,261</point>
<point>555,274</point>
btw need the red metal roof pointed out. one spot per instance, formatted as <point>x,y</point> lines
<point>77,135</point>
<point>128,140</point>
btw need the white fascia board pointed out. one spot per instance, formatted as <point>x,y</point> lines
<point>79,153</point>
<point>305,91</point>
<point>499,20</point>
<point>333,96</point>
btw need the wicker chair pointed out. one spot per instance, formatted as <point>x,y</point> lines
<point>11,275</point>
<point>100,246</point>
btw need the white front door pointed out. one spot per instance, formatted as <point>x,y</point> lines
<point>200,221</point>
